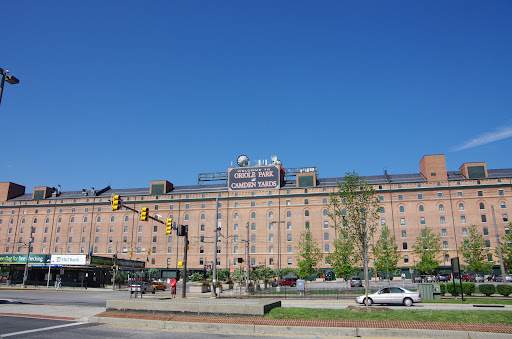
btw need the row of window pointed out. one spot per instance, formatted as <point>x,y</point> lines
<point>441,207</point>
<point>440,195</point>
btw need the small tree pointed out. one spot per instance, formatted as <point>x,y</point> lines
<point>427,249</point>
<point>342,260</point>
<point>357,206</point>
<point>474,252</point>
<point>386,252</point>
<point>506,250</point>
<point>309,254</point>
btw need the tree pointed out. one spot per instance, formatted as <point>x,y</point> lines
<point>342,260</point>
<point>309,254</point>
<point>427,249</point>
<point>474,252</point>
<point>357,206</point>
<point>386,252</point>
<point>506,250</point>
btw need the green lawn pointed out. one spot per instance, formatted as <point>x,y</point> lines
<point>476,317</point>
<point>471,301</point>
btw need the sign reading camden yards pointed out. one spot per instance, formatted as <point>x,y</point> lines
<point>255,177</point>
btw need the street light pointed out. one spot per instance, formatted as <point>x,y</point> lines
<point>10,79</point>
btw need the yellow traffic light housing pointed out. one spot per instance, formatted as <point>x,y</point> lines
<point>168,226</point>
<point>180,263</point>
<point>144,214</point>
<point>149,251</point>
<point>116,202</point>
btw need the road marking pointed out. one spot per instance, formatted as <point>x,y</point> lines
<point>40,329</point>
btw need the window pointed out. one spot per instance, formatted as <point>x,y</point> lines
<point>155,228</point>
<point>500,192</point>
<point>459,194</point>
<point>486,231</point>
<point>326,236</point>
<point>462,219</point>
<point>447,258</point>
<point>461,207</point>
<point>201,249</point>
<point>439,195</point>
<point>402,209</point>
<point>253,203</point>
<point>406,259</point>
<point>464,232</point>
<point>382,210</point>
<point>288,237</point>
<point>381,198</point>
<point>420,208</point>
<point>445,244</point>
<point>125,229</point>
<point>253,238</point>
<point>400,197</point>
<point>253,227</point>
<point>422,220</point>
<point>442,220</point>
<point>402,221</point>
<point>253,215</point>
<point>289,261</point>
<point>235,227</point>
<point>307,224</point>
<point>441,208</point>
<point>404,234</point>
<point>288,202</point>
<point>487,243</point>
<point>235,216</point>
<point>507,230</point>
<point>489,257</point>
<point>202,228</point>
<point>271,249</point>
<point>306,213</point>
<point>484,218</point>
<point>253,249</point>
<point>505,217</point>
<point>288,225</point>
<point>404,245</point>
<point>271,238</point>
<point>443,232</point>
<point>289,249</point>
<point>383,222</point>
<point>203,217</point>
<point>187,206</point>
<point>324,201</point>
<point>480,194</point>
<point>270,203</point>
<point>306,202</point>
<point>140,229</point>
<point>236,204</point>
<point>420,196</point>
<point>503,205</point>
<point>201,238</point>
<point>326,248</point>
<point>186,217</point>
<point>326,224</point>
<point>482,206</point>
<point>325,213</point>
<point>270,215</point>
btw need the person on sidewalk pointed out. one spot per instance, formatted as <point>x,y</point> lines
<point>173,288</point>
<point>58,284</point>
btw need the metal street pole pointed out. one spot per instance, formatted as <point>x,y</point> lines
<point>247,266</point>
<point>25,274</point>
<point>214,264</point>
<point>10,79</point>
<point>184,291</point>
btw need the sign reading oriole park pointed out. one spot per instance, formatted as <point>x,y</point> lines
<point>255,177</point>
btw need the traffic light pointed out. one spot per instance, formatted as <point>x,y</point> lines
<point>131,252</point>
<point>117,203</point>
<point>144,214</point>
<point>168,226</point>
<point>149,251</point>
<point>180,263</point>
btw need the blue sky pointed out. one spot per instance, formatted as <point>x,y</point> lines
<point>121,93</point>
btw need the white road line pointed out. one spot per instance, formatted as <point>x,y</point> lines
<point>39,330</point>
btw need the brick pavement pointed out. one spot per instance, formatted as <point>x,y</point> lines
<point>492,328</point>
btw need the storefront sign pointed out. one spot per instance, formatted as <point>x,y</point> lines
<point>57,259</point>
<point>254,178</point>
<point>22,259</point>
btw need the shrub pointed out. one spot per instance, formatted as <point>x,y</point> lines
<point>443,289</point>
<point>504,290</point>
<point>449,289</point>
<point>487,289</point>
<point>468,288</point>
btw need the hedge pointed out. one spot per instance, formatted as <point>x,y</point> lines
<point>467,288</point>
<point>504,290</point>
<point>443,288</point>
<point>449,289</point>
<point>487,289</point>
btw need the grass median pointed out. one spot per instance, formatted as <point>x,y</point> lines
<point>470,301</point>
<point>467,317</point>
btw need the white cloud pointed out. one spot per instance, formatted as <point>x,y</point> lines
<point>486,138</point>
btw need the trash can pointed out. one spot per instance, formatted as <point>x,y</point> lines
<point>437,292</point>
<point>427,291</point>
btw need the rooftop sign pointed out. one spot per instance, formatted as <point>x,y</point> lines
<point>254,178</point>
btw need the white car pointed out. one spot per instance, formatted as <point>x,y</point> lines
<point>391,295</point>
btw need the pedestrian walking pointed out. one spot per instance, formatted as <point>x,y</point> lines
<point>173,288</point>
<point>58,284</point>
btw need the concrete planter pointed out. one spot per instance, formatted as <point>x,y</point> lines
<point>227,286</point>
<point>199,289</point>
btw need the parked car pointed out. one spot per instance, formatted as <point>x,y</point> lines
<point>287,282</point>
<point>469,277</point>
<point>480,279</point>
<point>356,282</point>
<point>142,287</point>
<point>329,276</point>
<point>417,279</point>
<point>499,278</point>
<point>160,286</point>
<point>391,295</point>
<point>444,277</point>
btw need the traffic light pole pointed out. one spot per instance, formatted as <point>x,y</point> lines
<point>184,291</point>
<point>214,264</point>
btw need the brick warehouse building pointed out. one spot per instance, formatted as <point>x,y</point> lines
<point>81,222</point>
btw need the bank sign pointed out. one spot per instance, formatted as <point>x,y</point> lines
<point>253,178</point>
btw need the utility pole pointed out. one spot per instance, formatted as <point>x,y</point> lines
<point>115,269</point>
<point>247,264</point>
<point>25,274</point>
<point>185,249</point>
<point>214,264</point>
